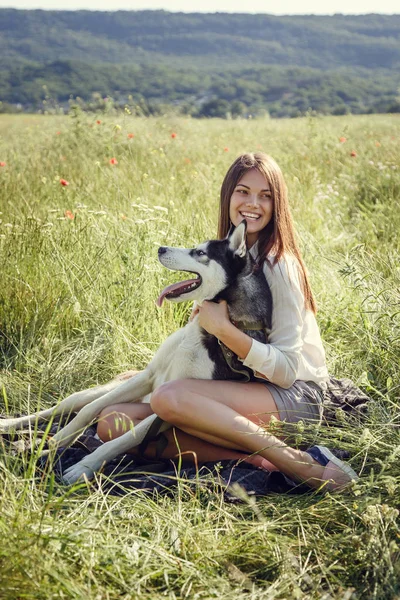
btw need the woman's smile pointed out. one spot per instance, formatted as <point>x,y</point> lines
<point>248,215</point>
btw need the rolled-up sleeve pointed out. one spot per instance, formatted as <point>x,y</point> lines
<point>278,361</point>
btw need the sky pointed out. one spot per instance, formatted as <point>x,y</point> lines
<point>288,7</point>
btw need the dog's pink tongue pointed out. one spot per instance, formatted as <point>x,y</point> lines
<point>181,286</point>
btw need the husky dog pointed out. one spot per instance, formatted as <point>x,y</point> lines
<point>224,270</point>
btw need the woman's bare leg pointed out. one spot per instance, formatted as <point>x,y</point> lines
<point>233,414</point>
<point>117,419</point>
<point>230,417</point>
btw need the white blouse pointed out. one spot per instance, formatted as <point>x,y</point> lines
<point>295,348</point>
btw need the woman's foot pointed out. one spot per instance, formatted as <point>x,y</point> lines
<point>337,474</point>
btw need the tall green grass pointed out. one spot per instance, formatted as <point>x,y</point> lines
<point>77,306</point>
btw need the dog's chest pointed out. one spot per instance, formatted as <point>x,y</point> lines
<point>192,359</point>
<point>183,356</point>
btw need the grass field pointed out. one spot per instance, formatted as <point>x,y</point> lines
<point>79,279</point>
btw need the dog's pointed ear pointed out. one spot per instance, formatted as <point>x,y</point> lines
<point>231,230</point>
<point>237,239</point>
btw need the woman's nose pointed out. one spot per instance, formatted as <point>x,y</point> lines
<point>252,199</point>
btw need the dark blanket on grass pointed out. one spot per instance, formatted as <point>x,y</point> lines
<point>127,473</point>
<point>234,478</point>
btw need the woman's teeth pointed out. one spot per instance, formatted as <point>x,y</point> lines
<point>250,216</point>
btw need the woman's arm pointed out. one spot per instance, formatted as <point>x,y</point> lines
<point>277,361</point>
<point>214,318</point>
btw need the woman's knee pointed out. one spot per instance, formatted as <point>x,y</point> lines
<point>111,424</point>
<point>168,401</point>
<point>116,420</point>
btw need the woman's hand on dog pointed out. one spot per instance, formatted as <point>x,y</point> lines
<point>213,316</point>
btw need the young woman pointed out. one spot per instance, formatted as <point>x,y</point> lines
<point>218,420</point>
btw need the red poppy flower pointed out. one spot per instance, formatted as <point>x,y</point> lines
<point>98,122</point>
<point>58,133</point>
<point>353,153</point>
<point>69,214</point>
<point>64,182</point>
<point>226,149</point>
<point>173,135</point>
<point>342,140</point>
<point>187,161</point>
<point>378,144</point>
<point>2,164</point>
<point>113,161</point>
<point>130,136</point>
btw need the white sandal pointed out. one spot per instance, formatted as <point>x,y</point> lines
<point>337,473</point>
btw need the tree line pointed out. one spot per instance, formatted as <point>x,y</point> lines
<point>151,89</point>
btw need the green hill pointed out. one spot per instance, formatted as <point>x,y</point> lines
<point>371,41</point>
<point>258,62</point>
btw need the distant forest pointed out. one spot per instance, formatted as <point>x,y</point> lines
<point>206,65</point>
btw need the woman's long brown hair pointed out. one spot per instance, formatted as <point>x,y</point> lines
<point>278,237</point>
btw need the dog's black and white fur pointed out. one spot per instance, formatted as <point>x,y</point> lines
<point>225,271</point>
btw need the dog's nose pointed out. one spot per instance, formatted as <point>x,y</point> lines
<point>162,250</point>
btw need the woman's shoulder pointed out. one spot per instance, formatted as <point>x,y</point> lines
<point>283,277</point>
<point>286,259</point>
<point>287,266</point>
<point>283,270</point>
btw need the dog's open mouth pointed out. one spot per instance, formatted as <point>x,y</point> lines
<point>177,289</point>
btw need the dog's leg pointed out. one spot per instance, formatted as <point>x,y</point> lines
<point>72,403</point>
<point>93,462</point>
<point>131,390</point>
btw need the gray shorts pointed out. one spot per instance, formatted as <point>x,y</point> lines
<point>301,402</point>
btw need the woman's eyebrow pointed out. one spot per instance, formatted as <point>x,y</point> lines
<point>247,187</point>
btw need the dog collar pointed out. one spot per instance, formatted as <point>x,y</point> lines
<point>230,356</point>
<point>254,326</point>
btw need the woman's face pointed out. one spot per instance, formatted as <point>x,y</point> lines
<point>252,200</point>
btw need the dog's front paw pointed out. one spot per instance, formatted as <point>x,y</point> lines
<point>7,425</point>
<point>64,437</point>
<point>77,472</point>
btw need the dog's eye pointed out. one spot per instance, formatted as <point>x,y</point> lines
<point>200,253</point>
